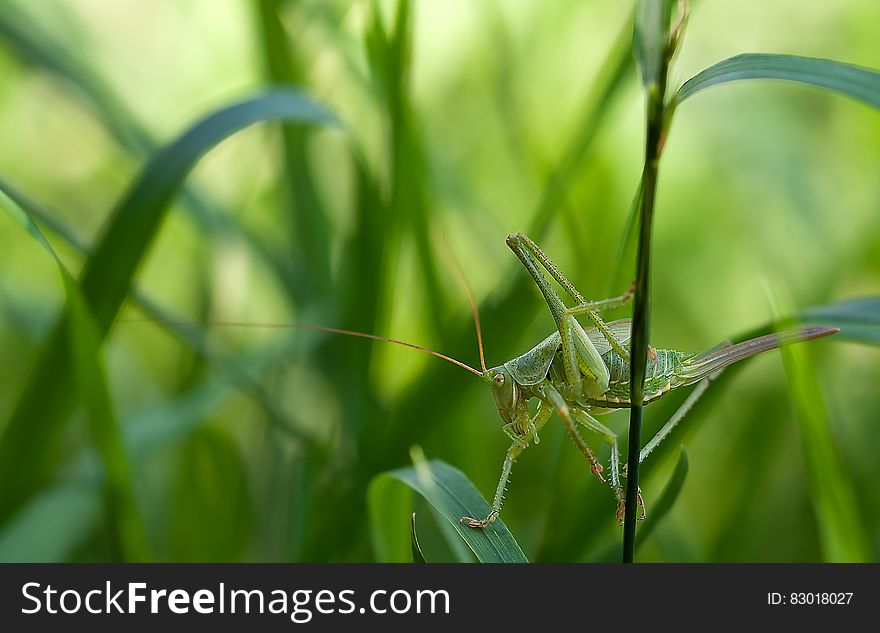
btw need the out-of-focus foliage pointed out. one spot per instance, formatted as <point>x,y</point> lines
<point>462,121</point>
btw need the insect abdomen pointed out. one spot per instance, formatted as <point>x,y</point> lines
<point>661,375</point>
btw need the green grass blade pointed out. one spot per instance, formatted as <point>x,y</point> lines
<point>862,84</point>
<point>417,555</point>
<point>666,500</point>
<point>136,219</point>
<point>858,319</point>
<point>129,539</point>
<point>37,536</point>
<point>835,503</point>
<point>652,44</point>
<point>388,504</point>
<point>83,83</point>
<point>128,532</point>
<point>107,277</point>
<point>304,214</point>
<point>191,334</point>
<point>452,495</point>
<point>651,39</point>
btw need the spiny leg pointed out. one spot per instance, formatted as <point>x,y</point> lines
<point>564,412</point>
<point>601,305</point>
<point>590,308</point>
<point>519,445</point>
<point>677,417</point>
<point>528,251</point>
<point>610,438</point>
<point>568,327</point>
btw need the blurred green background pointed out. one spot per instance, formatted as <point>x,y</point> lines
<point>462,121</point>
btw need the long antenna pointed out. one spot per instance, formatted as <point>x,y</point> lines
<point>462,281</point>
<point>313,328</point>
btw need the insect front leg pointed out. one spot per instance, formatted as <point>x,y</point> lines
<point>519,445</point>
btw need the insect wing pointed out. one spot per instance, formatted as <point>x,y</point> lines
<point>620,330</point>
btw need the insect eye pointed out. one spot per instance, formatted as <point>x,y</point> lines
<point>499,379</point>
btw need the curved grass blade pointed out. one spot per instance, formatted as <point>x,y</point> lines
<point>858,319</point>
<point>417,555</point>
<point>107,277</point>
<point>666,500</point>
<point>134,222</point>
<point>192,335</point>
<point>452,495</point>
<point>862,84</point>
<point>129,538</point>
<point>83,83</point>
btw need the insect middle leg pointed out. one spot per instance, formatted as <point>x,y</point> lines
<point>562,408</point>
<point>610,438</point>
<point>519,445</point>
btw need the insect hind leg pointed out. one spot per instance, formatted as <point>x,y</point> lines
<point>532,255</point>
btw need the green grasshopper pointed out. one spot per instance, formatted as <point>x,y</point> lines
<point>580,372</point>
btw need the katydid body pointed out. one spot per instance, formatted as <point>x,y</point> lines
<point>579,373</point>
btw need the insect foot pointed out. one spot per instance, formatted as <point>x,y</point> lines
<point>478,524</point>
<point>640,504</point>
<point>522,441</point>
<point>596,468</point>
